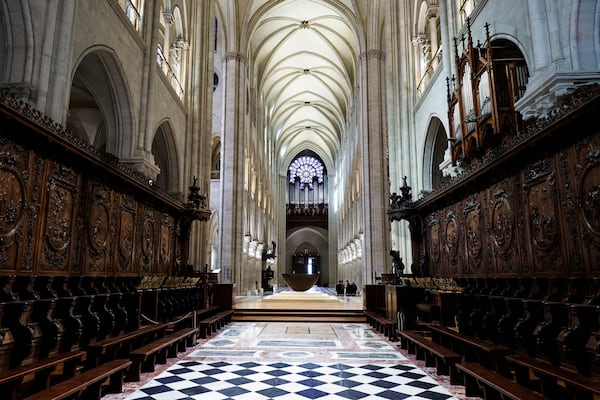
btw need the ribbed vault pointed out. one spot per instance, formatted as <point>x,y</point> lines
<point>304,54</point>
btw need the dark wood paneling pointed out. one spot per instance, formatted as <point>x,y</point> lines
<point>67,209</point>
<point>125,248</point>
<point>15,192</point>
<point>502,227</point>
<point>543,218</point>
<point>58,223</point>
<point>532,208</point>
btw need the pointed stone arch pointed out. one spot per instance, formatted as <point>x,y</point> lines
<point>99,96</point>
<point>435,146</point>
<point>164,150</point>
<point>317,238</point>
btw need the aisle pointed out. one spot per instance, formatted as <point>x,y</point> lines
<point>289,361</point>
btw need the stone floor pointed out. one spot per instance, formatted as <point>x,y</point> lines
<point>288,361</point>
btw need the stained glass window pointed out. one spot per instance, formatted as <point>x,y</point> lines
<point>306,169</point>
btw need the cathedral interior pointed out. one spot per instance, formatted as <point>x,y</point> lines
<point>312,188</point>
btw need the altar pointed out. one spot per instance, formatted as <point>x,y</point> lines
<point>310,295</point>
<point>300,282</point>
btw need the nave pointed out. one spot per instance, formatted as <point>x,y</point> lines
<point>292,361</point>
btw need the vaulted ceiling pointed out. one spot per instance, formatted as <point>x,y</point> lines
<point>304,54</point>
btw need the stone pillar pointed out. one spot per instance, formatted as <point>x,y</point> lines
<point>249,266</point>
<point>55,61</point>
<point>197,159</point>
<point>400,85</point>
<point>137,152</point>
<point>539,32</point>
<point>281,230</point>
<point>552,71</point>
<point>432,15</point>
<point>232,172</point>
<point>257,271</point>
<point>375,188</point>
<point>166,45</point>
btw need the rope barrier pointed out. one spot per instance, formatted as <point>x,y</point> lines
<point>173,322</point>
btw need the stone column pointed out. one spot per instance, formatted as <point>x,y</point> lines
<point>375,188</point>
<point>545,82</point>
<point>539,32</point>
<point>55,61</point>
<point>166,44</point>
<point>136,152</point>
<point>232,173</point>
<point>281,231</point>
<point>257,270</point>
<point>248,267</point>
<point>197,159</point>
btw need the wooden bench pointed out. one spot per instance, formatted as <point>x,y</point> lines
<point>434,354</point>
<point>42,369</point>
<point>88,385</point>
<point>381,324</point>
<point>554,382</point>
<point>212,323</point>
<point>120,346</point>
<point>146,357</point>
<point>472,349</point>
<point>483,382</point>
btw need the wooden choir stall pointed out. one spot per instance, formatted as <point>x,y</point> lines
<point>507,252</point>
<point>93,256</point>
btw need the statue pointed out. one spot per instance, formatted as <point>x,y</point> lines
<point>269,255</point>
<point>397,264</point>
<point>404,199</point>
<point>195,199</point>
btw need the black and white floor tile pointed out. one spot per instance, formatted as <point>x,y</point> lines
<point>252,380</point>
<point>291,361</point>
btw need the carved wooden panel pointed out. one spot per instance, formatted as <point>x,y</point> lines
<point>125,246</point>
<point>166,244</point>
<point>58,226</point>
<point>434,241</point>
<point>502,224</point>
<point>473,236</point>
<point>542,218</point>
<point>568,178</point>
<point>69,209</point>
<point>14,193</point>
<point>98,233</point>
<point>588,194</point>
<point>148,242</point>
<point>452,242</point>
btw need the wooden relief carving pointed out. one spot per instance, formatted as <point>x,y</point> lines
<point>502,224</point>
<point>589,193</point>
<point>434,243</point>
<point>452,238</point>
<point>31,237</point>
<point>61,201</point>
<point>12,208</point>
<point>148,242</point>
<point>542,219</point>
<point>473,237</point>
<point>164,255</point>
<point>434,227</point>
<point>98,231</point>
<point>125,242</point>
<point>568,178</point>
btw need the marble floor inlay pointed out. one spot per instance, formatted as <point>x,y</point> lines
<point>292,361</point>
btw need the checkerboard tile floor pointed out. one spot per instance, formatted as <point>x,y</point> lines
<point>287,361</point>
<point>220,380</point>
